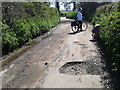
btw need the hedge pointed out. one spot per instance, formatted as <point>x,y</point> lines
<point>34,20</point>
<point>71,15</point>
<point>109,18</point>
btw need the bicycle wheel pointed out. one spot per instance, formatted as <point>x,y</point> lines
<point>74,28</point>
<point>84,25</point>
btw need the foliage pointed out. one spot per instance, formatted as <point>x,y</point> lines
<point>71,14</point>
<point>32,20</point>
<point>9,40</point>
<point>88,10</point>
<point>109,18</point>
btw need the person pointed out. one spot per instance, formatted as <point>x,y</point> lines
<point>96,28</point>
<point>95,31</point>
<point>79,19</point>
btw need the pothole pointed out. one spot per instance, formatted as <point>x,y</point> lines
<point>73,68</point>
<point>81,68</point>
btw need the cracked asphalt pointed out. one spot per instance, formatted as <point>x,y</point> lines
<point>60,60</point>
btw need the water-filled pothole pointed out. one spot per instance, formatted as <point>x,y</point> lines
<point>81,68</point>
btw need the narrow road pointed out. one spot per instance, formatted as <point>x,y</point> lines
<point>60,60</point>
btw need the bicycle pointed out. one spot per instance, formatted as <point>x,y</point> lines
<point>74,26</point>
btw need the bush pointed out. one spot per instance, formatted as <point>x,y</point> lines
<point>71,14</point>
<point>34,20</point>
<point>9,40</point>
<point>109,18</point>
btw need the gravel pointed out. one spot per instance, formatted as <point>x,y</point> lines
<point>90,67</point>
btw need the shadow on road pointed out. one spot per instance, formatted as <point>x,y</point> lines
<point>112,79</point>
<point>73,33</point>
<point>92,40</point>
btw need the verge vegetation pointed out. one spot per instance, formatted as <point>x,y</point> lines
<point>71,15</point>
<point>108,16</point>
<point>23,21</point>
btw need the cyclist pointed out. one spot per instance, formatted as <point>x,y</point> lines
<point>79,19</point>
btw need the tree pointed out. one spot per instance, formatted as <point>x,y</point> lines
<point>74,4</point>
<point>89,8</point>
<point>57,5</point>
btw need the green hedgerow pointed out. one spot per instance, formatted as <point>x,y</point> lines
<point>109,18</point>
<point>32,20</point>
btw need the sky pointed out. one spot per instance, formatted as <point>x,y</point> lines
<point>71,5</point>
<point>62,6</point>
